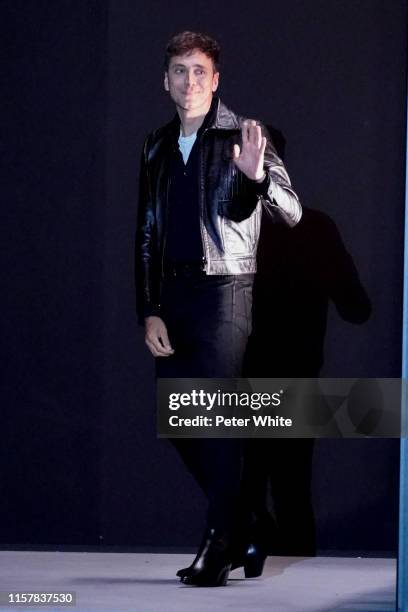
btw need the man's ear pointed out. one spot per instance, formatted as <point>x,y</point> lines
<point>216,79</point>
<point>166,81</point>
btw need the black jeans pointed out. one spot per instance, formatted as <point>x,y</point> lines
<point>208,320</point>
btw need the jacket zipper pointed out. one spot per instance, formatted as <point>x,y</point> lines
<point>201,186</point>
<point>202,210</point>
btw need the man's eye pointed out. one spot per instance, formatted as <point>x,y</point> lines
<point>178,70</point>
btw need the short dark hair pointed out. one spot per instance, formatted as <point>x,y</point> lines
<point>186,42</point>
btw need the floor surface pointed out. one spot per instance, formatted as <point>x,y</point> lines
<point>146,583</point>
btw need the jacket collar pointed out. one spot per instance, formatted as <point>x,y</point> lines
<point>225,119</point>
<point>218,117</point>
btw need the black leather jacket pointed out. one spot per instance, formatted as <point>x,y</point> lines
<point>230,203</point>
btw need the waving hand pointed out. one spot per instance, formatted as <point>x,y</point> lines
<point>250,159</point>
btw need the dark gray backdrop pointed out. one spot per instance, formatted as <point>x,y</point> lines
<point>80,463</point>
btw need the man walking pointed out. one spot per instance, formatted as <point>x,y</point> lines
<point>204,179</point>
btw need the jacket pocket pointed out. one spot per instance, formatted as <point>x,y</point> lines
<point>238,238</point>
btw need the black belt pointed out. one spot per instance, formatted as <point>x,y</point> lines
<point>183,269</point>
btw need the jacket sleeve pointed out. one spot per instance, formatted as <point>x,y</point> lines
<point>147,277</point>
<point>278,197</point>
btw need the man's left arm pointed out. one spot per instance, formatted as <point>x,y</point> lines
<point>258,161</point>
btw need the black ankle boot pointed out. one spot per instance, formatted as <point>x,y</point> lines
<point>260,536</point>
<point>253,561</point>
<point>213,563</point>
<point>198,561</point>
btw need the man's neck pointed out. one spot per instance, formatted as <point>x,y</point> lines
<point>191,123</point>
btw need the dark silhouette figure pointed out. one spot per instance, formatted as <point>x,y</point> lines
<point>299,271</point>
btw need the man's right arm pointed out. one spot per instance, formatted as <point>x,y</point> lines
<point>146,265</point>
<point>146,268</point>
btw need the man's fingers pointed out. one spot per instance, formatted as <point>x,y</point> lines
<point>252,133</point>
<point>165,340</point>
<point>255,135</point>
<point>263,145</point>
<point>156,347</point>
<point>156,337</point>
<point>245,133</point>
<point>155,352</point>
<point>151,348</point>
<point>236,151</point>
<point>258,136</point>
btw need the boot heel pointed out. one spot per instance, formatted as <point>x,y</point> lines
<point>253,568</point>
<point>223,577</point>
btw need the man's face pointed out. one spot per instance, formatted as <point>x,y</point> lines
<point>191,81</point>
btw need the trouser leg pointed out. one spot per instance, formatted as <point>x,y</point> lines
<point>216,467</point>
<point>208,322</point>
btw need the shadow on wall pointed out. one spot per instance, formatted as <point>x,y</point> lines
<point>300,270</point>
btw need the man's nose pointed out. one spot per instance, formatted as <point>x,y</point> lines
<point>190,78</point>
